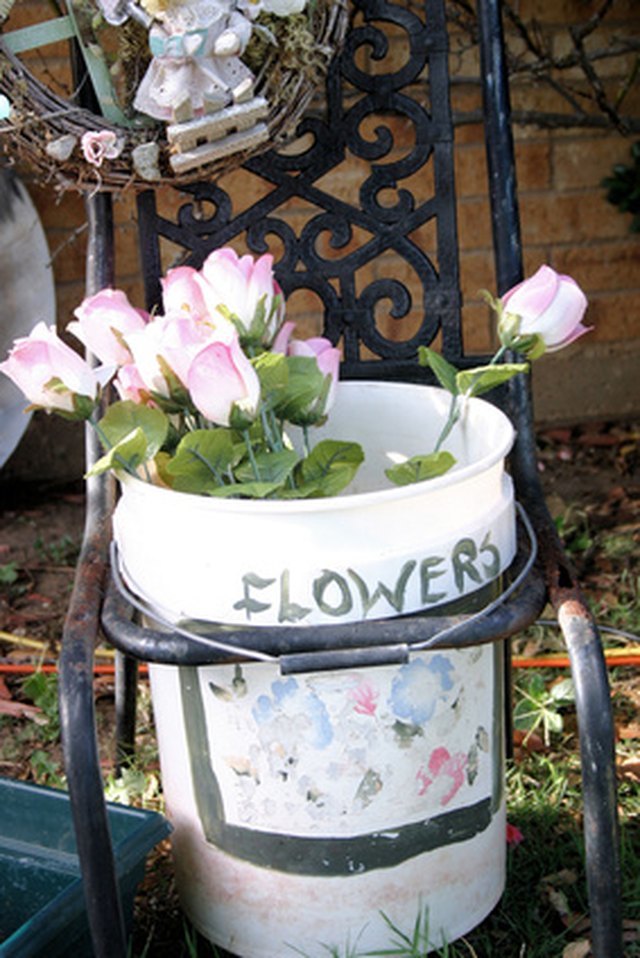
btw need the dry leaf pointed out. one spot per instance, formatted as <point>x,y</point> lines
<point>20,710</point>
<point>630,769</point>
<point>577,949</point>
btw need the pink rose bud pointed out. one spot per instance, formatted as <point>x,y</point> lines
<point>103,323</point>
<point>51,375</point>
<point>327,357</point>
<point>283,337</point>
<point>221,378</point>
<point>246,288</point>
<point>130,385</point>
<point>181,293</point>
<point>549,305</point>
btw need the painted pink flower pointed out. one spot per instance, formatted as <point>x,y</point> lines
<point>103,321</point>
<point>100,145</point>
<point>247,289</point>
<point>51,375</point>
<point>446,770</point>
<point>549,305</point>
<point>365,698</point>
<point>220,380</point>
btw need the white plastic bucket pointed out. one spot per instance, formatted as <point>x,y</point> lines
<point>305,808</point>
<point>377,551</point>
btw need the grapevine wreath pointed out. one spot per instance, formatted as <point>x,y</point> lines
<point>169,91</point>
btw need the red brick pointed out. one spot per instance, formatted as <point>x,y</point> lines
<point>571,12</point>
<point>471,170</point>
<point>578,164</point>
<point>478,329</point>
<point>474,224</point>
<point>533,164</point>
<point>569,218</point>
<point>615,316</point>
<point>613,266</point>
<point>68,254</point>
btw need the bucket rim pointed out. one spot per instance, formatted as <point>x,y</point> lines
<point>389,494</point>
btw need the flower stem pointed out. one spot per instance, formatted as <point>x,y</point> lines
<point>454,406</point>
<point>452,418</point>
<point>252,458</point>
<point>306,441</point>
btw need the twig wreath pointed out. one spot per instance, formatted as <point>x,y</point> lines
<point>185,89</point>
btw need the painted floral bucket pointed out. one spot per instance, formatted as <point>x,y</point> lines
<point>311,810</point>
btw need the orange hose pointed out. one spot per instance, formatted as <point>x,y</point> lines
<point>562,661</point>
<point>613,657</point>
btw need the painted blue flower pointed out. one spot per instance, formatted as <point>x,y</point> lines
<point>302,709</point>
<point>419,686</point>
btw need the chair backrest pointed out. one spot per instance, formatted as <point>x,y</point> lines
<point>363,216</point>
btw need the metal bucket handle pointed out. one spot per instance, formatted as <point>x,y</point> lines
<point>335,658</point>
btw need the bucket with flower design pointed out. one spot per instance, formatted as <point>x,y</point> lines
<point>311,808</point>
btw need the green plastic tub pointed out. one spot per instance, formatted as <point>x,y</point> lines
<point>42,910</point>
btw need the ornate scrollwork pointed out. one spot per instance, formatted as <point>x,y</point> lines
<point>355,251</point>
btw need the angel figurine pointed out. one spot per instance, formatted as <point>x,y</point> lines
<point>196,81</point>
<point>196,66</point>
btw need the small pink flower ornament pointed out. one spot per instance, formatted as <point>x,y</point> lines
<point>99,145</point>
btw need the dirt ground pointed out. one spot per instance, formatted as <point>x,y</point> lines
<point>591,476</point>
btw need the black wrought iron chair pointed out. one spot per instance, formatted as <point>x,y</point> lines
<point>417,92</point>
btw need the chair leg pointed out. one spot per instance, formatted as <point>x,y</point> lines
<point>77,717</point>
<point>597,752</point>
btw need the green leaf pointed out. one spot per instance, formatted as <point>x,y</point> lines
<point>8,573</point>
<point>273,372</point>
<point>127,454</point>
<point>445,373</point>
<point>533,346</point>
<point>201,461</point>
<point>419,468</point>
<point>245,490</point>
<point>123,418</point>
<point>563,692</point>
<point>481,379</point>
<point>273,467</point>
<point>303,388</point>
<point>329,468</point>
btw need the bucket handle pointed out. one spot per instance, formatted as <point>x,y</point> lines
<point>329,659</point>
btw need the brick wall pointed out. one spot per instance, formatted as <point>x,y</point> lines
<point>565,222</point>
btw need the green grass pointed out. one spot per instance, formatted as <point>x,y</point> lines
<point>544,909</point>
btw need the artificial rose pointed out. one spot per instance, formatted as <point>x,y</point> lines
<point>99,145</point>
<point>130,385</point>
<point>548,305</point>
<point>246,290</point>
<point>168,344</point>
<point>221,379</point>
<point>52,376</point>
<point>283,338</point>
<point>181,293</point>
<point>327,358</point>
<point>103,320</point>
